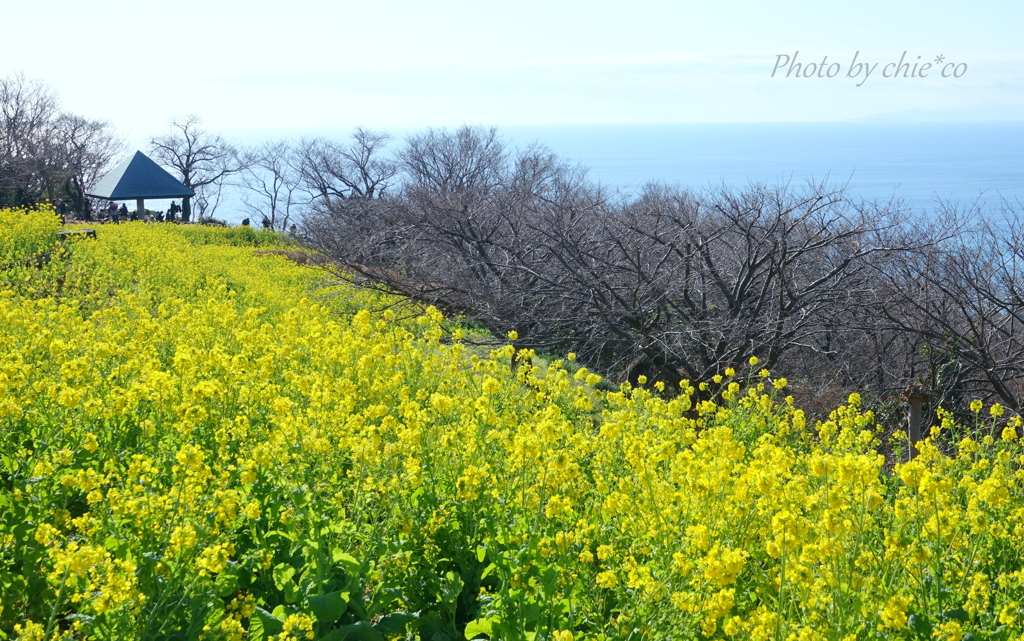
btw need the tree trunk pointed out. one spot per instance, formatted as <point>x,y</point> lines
<point>186,209</point>
<point>77,197</point>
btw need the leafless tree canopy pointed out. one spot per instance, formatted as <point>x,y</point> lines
<point>270,181</point>
<point>204,161</point>
<point>963,300</point>
<point>833,293</point>
<point>45,152</point>
<point>332,173</point>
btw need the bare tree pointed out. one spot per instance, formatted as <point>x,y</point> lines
<point>271,183</point>
<point>679,284</point>
<point>44,151</point>
<point>84,150</point>
<point>27,109</point>
<point>202,160</point>
<point>459,232</point>
<point>467,162</point>
<point>961,297</point>
<point>833,293</point>
<point>333,173</point>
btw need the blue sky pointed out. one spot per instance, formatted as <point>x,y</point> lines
<point>312,63</point>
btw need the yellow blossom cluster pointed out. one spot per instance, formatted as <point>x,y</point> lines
<point>198,444</point>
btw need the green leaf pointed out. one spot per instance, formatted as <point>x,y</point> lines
<point>256,631</point>
<point>414,498</point>
<point>244,575</point>
<point>481,554</point>
<point>395,623</point>
<point>291,593</point>
<point>532,613</point>
<point>268,624</point>
<point>329,607</point>
<point>345,559</point>
<point>226,584</point>
<point>958,614</point>
<point>919,623</point>
<point>480,626</point>
<point>361,631</point>
<point>382,600</point>
<point>1002,633</point>
<point>452,588</point>
<point>283,574</point>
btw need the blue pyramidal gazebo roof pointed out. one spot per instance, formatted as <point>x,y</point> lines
<point>139,177</point>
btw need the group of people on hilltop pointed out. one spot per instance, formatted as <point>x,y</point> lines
<point>268,224</point>
<point>59,206</point>
<point>113,213</point>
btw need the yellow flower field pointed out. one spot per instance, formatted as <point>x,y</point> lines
<point>198,443</point>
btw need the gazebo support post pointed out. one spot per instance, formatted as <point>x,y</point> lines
<point>140,207</point>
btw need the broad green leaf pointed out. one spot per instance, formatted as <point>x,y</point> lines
<point>1002,633</point>
<point>329,607</point>
<point>919,623</point>
<point>226,584</point>
<point>479,626</point>
<point>283,574</point>
<point>256,631</point>
<point>490,568</point>
<point>395,623</point>
<point>361,631</point>
<point>958,614</point>
<point>345,559</point>
<point>269,624</point>
<point>452,587</point>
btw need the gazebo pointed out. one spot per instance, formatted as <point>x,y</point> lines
<point>140,178</point>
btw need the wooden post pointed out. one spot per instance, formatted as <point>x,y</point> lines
<point>915,419</point>
<point>914,396</point>
<point>140,208</point>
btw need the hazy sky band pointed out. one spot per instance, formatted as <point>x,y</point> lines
<point>315,64</point>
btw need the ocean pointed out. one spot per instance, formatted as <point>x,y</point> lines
<point>919,163</point>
